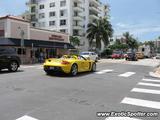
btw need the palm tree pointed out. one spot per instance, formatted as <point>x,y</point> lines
<point>100,30</point>
<point>130,41</point>
<point>74,41</point>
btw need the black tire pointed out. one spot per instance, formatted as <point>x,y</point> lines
<point>48,72</point>
<point>13,66</point>
<point>74,70</point>
<point>93,69</point>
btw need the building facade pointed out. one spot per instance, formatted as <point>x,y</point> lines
<point>32,43</point>
<point>68,16</point>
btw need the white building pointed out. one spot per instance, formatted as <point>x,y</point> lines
<point>69,16</point>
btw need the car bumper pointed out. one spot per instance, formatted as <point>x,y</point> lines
<point>54,69</point>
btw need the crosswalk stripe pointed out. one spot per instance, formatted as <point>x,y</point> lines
<point>26,118</point>
<point>121,118</point>
<point>142,103</point>
<point>145,90</point>
<point>150,80</point>
<point>103,71</point>
<point>126,74</point>
<point>149,84</point>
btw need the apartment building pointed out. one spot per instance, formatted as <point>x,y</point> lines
<point>68,16</point>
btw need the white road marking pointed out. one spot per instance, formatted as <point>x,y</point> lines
<point>26,118</point>
<point>127,74</point>
<point>103,71</point>
<point>142,103</point>
<point>121,118</point>
<point>145,90</point>
<point>150,80</point>
<point>149,84</point>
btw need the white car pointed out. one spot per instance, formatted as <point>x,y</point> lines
<point>90,55</point>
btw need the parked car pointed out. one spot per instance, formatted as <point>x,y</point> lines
<point>139,55</point>
<point>117,55</point>
<point>90,55</point>
<point>9,59</point>
<point>131,56</point>
<point>69,64</point>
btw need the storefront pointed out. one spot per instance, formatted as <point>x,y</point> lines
<point>32,44</point>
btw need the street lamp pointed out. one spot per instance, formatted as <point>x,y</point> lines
<point>22,42</point>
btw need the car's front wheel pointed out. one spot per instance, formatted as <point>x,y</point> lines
<point>13,66</point>
<point>93,67</point>
<point>74,70</point>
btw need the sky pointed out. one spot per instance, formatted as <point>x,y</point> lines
<point>139,17</point>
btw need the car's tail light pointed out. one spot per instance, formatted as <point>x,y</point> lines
<point>65,62</point>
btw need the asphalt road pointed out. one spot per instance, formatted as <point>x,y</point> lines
<point>30,94</point>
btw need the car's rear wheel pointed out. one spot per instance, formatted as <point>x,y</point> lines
<point>13,66</point>
<point>93,67</point>
<point>48,72</point>
<point>74,70</point>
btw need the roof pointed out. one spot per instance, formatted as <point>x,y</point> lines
<point>13,18</point>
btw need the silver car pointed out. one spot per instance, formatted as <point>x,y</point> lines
<point>90,55</point>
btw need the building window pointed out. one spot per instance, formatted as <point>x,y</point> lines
<point>62,22</point>
<point>75,4</point>
<point>33,24</point>
<point>33,18</point>
<point>41,15</point>
<point>41,7</point>
<point>63,3</point>
<point>52,4</point>
<point>52,14</point>
<point>63,13</point>
<point>63,30</point>
<point>75,32</point>
<point>75,13</point>
<point>52,23</point>
<point>33,9</point>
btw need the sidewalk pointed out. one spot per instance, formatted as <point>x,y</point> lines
<point>155,73</point>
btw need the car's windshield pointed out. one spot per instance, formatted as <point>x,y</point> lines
<point>117,52</point>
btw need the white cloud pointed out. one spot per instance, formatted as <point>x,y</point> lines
<point>135,29</point>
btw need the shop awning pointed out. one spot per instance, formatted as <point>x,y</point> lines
<point>34,43</point>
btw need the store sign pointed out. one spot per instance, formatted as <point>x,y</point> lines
<point>56,37</point>
<point>1,33</point>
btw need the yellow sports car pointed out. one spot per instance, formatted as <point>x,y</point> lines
<point>69,64</point>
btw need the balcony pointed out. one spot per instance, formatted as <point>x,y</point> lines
<point>79,18</point>
<point>77,27</point>
<point>95,2</point>
<point>32,2</point>
<point>78,8</point>
<point>94,9</point>
<point>93,16</point>
<point>78,1</point>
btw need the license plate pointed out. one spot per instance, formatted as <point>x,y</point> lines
<point>51,68</point>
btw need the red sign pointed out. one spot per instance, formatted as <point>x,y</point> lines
<point>1,33</point>
<point>56,37</point>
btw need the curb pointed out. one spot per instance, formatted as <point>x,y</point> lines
<point>152,74</point>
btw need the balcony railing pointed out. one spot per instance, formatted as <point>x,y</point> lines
<point>32,2</point>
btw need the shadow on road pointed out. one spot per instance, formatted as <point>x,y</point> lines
<point>5,71</point>
<point>69,76</point>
